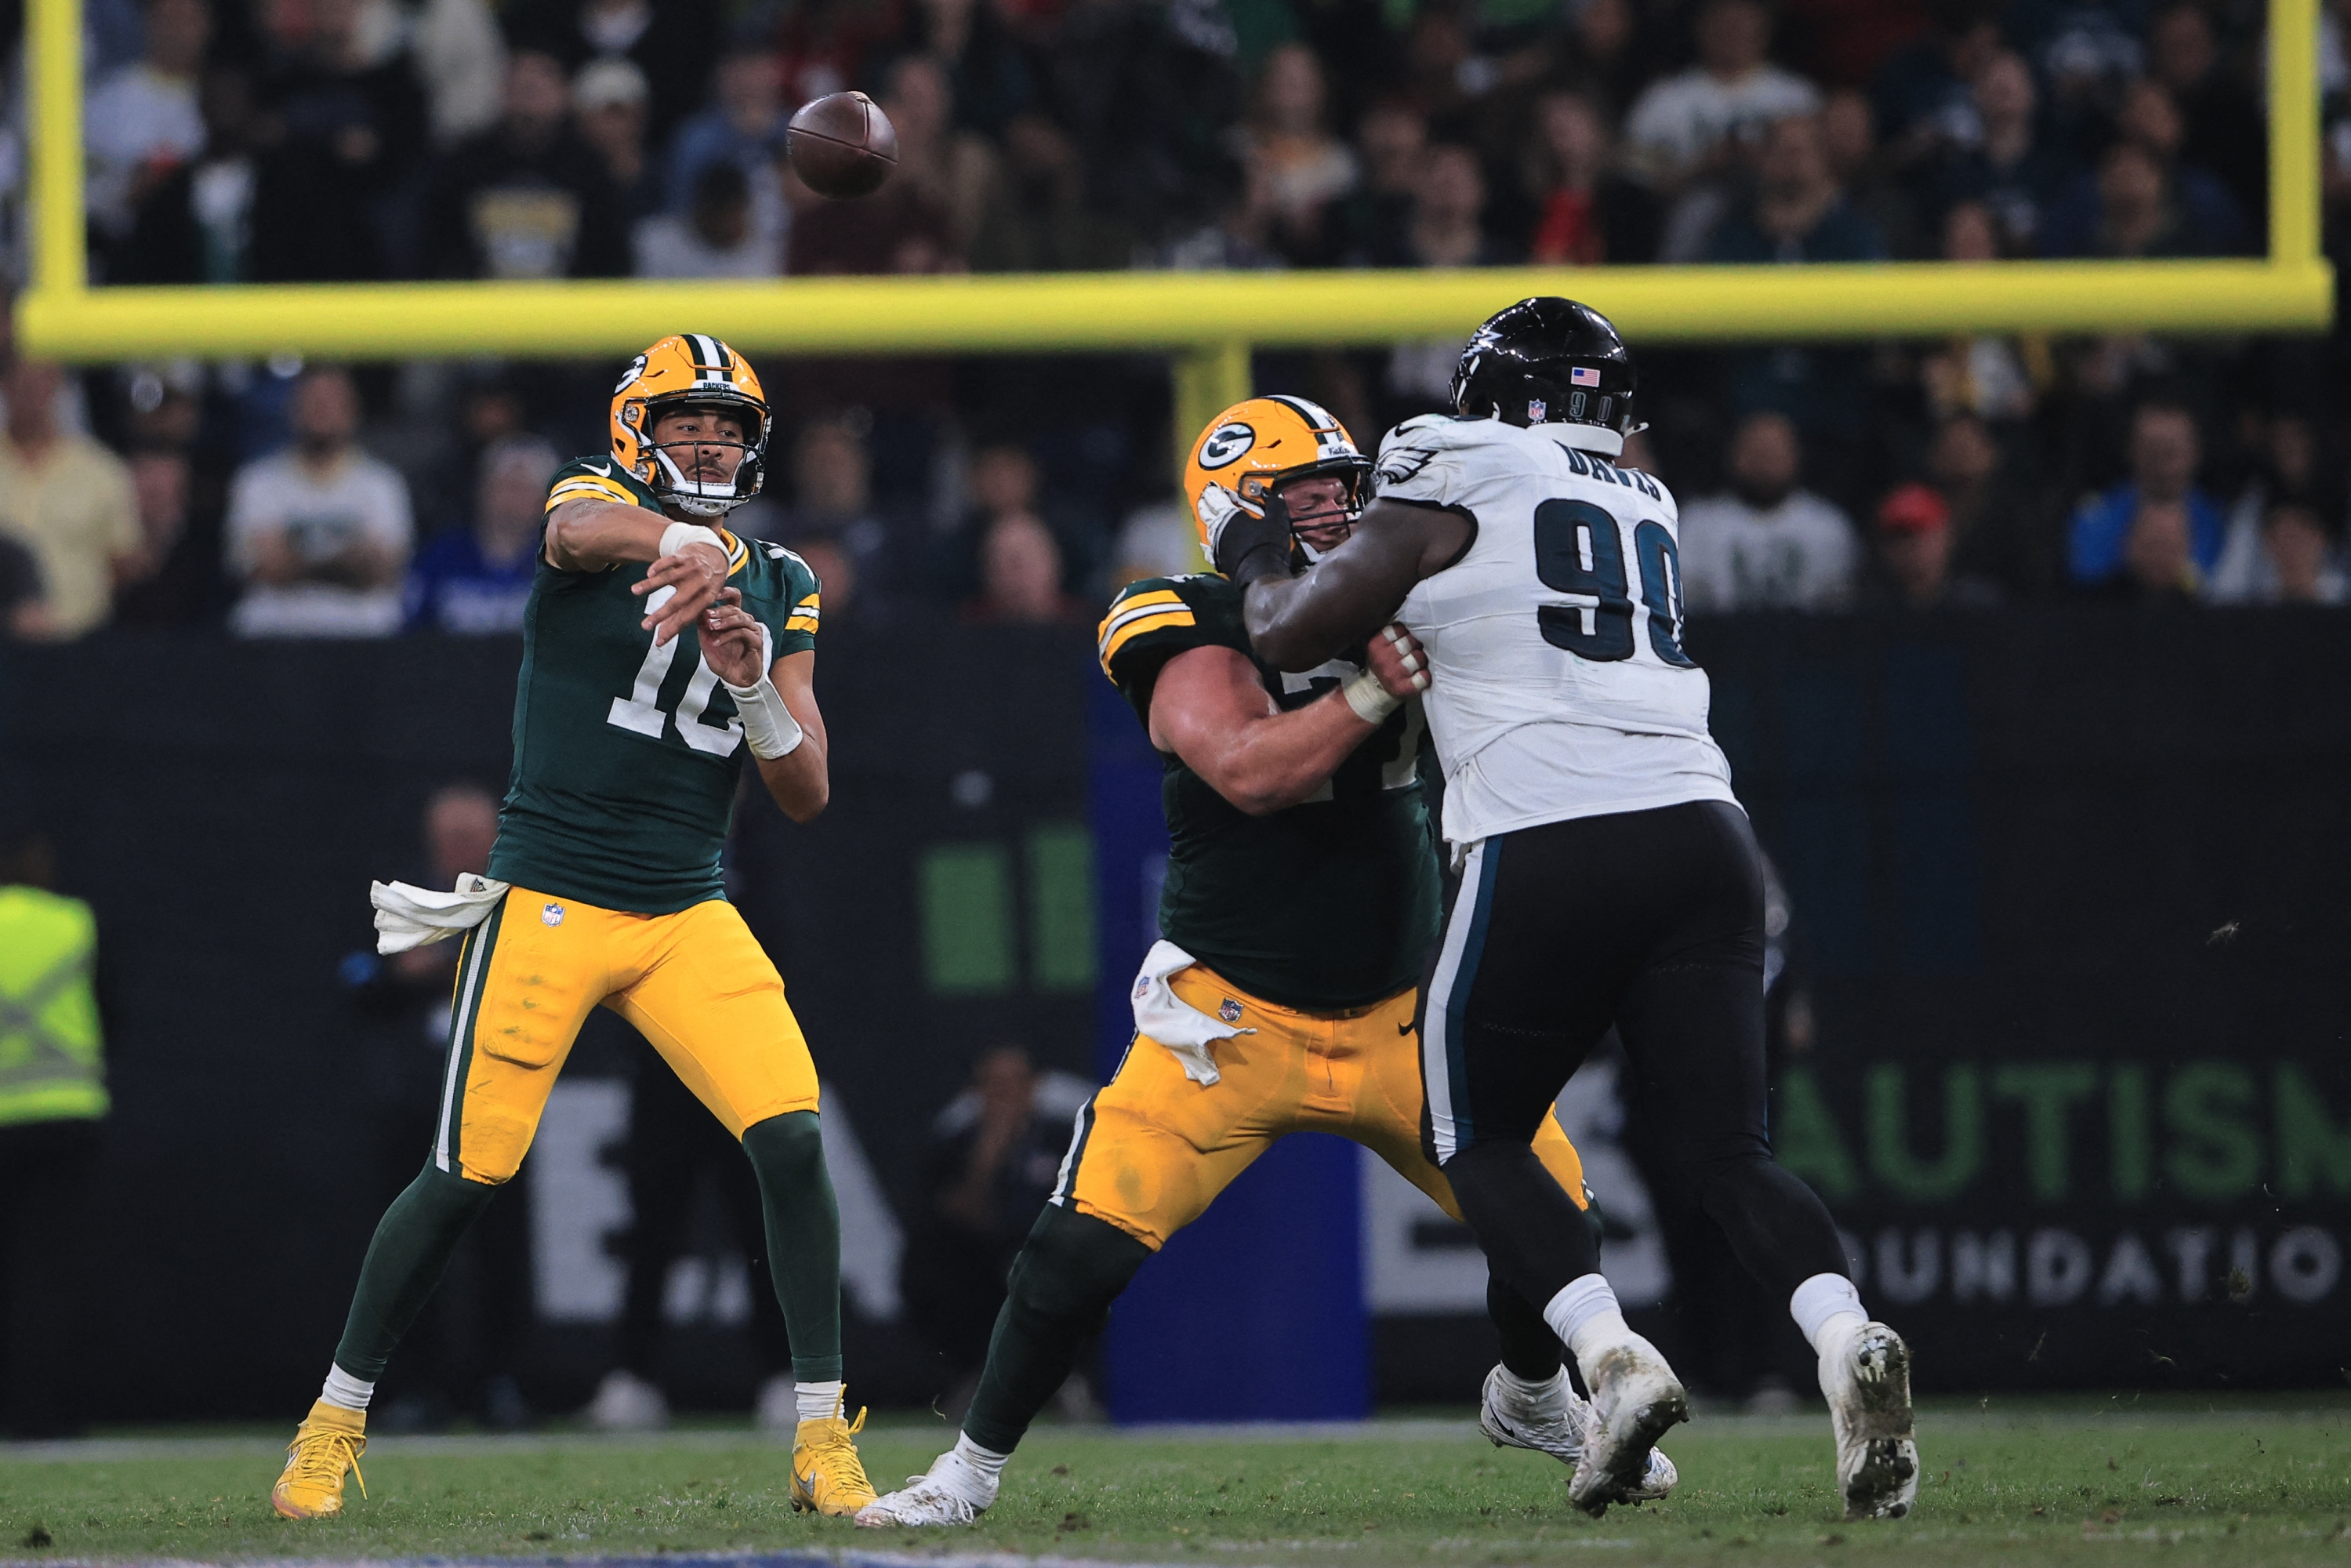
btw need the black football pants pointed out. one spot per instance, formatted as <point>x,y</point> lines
<point>1651,922</point>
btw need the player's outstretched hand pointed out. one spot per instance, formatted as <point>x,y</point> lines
<point>1397,660</point>
<point>734,643</point>
<point>697,573</point>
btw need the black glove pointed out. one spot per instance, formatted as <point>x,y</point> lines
<point>1248,548</point>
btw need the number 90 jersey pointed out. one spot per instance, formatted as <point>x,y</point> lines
<point>1559,686</point>
<point>626,756</point>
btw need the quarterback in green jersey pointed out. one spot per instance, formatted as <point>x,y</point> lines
<point>659,651</point>
<point>1301,905</point>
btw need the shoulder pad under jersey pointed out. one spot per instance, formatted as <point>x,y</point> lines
<point>1152,621</point>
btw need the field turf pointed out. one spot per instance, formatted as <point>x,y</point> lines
<point>2088,1481</point>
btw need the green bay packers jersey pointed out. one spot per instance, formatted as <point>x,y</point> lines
<point>626,755</point>
<point>1329,905</point>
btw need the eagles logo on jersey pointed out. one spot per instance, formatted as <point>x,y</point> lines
<point>1253,448</point>
<point>690,369</point>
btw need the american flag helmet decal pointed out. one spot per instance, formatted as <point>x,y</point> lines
<point>1583,376</point>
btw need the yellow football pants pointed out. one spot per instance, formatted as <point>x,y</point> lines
<point>695,984</point>
<point>1152,1149</point>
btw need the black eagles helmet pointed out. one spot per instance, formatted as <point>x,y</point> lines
<point>1547,362</point>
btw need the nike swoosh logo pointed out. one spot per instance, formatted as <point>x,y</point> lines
<point>603,470</point>
<point>1403,1029</point>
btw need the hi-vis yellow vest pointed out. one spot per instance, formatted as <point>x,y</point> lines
<point>52,1059</point>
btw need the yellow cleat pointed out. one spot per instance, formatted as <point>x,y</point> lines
<point>827,1475</point>
<point>323,1446</point>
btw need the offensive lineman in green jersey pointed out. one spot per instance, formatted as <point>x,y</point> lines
<point>656,652</point>
<point>1301,900</point>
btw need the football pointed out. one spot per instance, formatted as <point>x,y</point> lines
<point>842,145</point>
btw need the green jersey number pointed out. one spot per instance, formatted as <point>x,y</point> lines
<point>640,713</point>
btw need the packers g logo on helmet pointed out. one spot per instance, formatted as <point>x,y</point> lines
<point>1254,448</point>
<point>697,371</point>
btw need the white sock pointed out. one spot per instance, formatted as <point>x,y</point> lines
<point>1586,1318</point>
<point>345,1391</point>
<point>1543,1393</point>
<point>987,1462</point>
<point>1828,1309</point>
<point>818,1401</point>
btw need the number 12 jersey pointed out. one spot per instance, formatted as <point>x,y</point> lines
<point>1559,686</point>
<point>625,755</point>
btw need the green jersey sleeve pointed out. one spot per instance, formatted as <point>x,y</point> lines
<point>782,591</point>
<point>599,479</point>
<point>1153,621</point>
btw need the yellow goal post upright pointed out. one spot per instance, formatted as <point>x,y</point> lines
<point>1207,321</point>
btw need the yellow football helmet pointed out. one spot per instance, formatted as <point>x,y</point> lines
<point>1254,448</point>
<point>690,368</point>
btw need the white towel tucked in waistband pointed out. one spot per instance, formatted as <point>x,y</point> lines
<point>408,916</point>
<point>1182,1028</point>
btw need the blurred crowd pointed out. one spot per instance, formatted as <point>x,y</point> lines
<point>306,139</point>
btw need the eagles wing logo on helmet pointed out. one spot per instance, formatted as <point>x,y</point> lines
<point>1226,445</point>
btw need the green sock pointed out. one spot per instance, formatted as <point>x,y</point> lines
<point>1069,1270</point>
<point>411,1247</point>
<point>803,1238</point>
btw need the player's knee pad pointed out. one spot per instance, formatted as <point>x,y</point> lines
<point>786,1151</point>
<point>1072,1267</point>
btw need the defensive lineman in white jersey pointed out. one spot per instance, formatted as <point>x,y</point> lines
<point>1608,876</point>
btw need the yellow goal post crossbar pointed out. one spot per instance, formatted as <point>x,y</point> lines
<point>1207,319</point>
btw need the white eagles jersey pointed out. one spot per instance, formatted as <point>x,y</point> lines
<point>1558,684</point>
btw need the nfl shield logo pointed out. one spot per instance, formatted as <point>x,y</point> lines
<point>552,914</point>
<point>1229,1010</point>
<point>1536,411</point>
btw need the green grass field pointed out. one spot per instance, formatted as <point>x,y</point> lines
<point>2010,1482</point>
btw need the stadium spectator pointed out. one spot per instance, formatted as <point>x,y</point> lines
<point>2156,532</point>
<point>1998,533</point>
<point>1445,228</point>
<point>608,108</point>
<point>24,610</point>
<point>68,501</point>
<point>319,534</point>
<point>953,170</point>
<point>712,238</point>
<point>475,582</point>
<point>671,42</point>
<point>1581,211</point>
<point>1287,143</point>
<point>745,126</point>
<point>989,1166</point>
<point>196,224</point>
<point>1862,169</point>
<point>2005,166</point>
<point>181,590</point>
<point>1799,212</point>
<point>832,521</point>
<point>1923,91</point>
<point>1694,124</point>
<point>1596,56</point>
<point>990,80</point>
<point>1020,576</point>
<point>2225,131</point>
<point>1039,219</point>
<point>526,198</point>
<point>142,122</point>
<point>1766,543</point>
<point>346,127</point>
<point>1910,566</point>
<point>2291,558</point>
<point>1157,539</point>
<point>461,61</point>
<point>1390,143</point>
<point>2140,205</point>
<point>1998,378</point>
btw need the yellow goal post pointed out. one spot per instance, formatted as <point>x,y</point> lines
<point>1208,321</point>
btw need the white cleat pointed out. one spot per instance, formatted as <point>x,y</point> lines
<point>952,1493</point>
<point>1867,1381</point>
<point>1635,1397</point>
<point>1512,1422</point>
<point>627,1403</point>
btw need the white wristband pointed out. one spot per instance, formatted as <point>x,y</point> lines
<point>768,724</point>
<point>1371,700</point>
<point>677,535</point>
